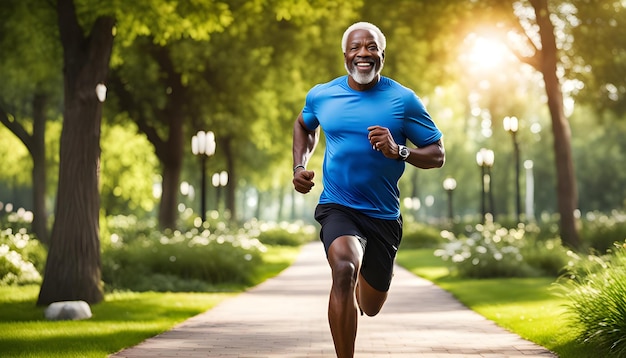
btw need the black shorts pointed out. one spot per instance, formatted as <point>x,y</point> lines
<point>380,239</point>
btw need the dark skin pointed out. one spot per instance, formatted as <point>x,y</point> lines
<point>350,291</point>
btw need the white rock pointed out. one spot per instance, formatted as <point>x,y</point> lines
<point>68,310</point>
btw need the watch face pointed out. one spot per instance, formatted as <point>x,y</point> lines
<point>404,152</point>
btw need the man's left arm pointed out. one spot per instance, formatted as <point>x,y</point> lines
<point>422,131</point>
<point>427,157</point>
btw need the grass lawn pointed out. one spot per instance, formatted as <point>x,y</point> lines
<point>526,306</point>
<point>122,320</point>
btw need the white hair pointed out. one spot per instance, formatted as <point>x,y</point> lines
<point>380,37</point>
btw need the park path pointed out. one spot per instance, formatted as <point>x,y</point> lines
<point>286,317</point>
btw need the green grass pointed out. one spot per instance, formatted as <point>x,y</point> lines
<point>276,259</point>
<point>526,306</point>
<point>122,320</point>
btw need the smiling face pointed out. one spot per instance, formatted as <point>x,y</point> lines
<point>363,59</point>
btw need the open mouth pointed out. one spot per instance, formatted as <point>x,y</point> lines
<point>364,66</point>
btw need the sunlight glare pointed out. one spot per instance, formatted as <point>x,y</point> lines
<point>486,52</point>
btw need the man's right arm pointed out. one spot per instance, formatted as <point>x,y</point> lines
<point>304,143</point>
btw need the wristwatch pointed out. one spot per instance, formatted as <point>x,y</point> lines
<point>403,152</point>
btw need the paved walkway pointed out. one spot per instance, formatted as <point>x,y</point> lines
<point>286,317</point>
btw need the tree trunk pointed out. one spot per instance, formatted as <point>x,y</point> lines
<point>169,194</point>
<point>566,181</point>
<point>38,152</point>
<point>73,265</point>
<point>170,152</point>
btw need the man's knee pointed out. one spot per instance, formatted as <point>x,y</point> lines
<point>344,274</point>
<point>344,257</point>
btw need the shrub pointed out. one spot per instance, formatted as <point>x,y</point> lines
<point>195,259</point>
<point>128,227</point>
<point>600,231</point>
<point>22,258</point>
<point>284,234</point>
<point>494,251</point>
<point>417,235</point>
<point>549,256</point>
<point>596,290</point>
<point>138,256</point>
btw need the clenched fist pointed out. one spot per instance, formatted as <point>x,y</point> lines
<point>303,180</point>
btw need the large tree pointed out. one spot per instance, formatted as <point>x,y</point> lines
<point>73,266</point>
<point>161,116</point>
<point>545,58</point>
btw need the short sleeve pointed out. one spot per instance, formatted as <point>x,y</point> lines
<point>308,112</point>
<point>419,127</point>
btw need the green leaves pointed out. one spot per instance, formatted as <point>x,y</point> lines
<point>128,167</point>
<point>167,21</point>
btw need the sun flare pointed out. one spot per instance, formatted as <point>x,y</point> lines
<point>486,53</point>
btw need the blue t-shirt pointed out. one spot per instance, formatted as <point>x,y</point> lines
<point>355,175</point>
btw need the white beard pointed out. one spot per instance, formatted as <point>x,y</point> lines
<point>363,78</point>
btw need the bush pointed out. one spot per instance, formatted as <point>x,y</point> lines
<point>494,251</point>
<point>600,231</point>
<point>137,256</point>
<point>596,290</point>
<point>417,235</point>
<point>22,258</point>
<point>181,261</point>
<point>128,227</point>
<point>285,234</point>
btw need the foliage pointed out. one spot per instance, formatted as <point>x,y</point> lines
<point>20,165</point>
<point>594,27</point>
<point>139,257</point>
<point>600,178</point>
<point>600,231</point>
<point>494,251</point>
<point>286,234</point>
<point>596,290</point>
<point>22,257</point>
<point>128,171</point>
<point>419,235</point>
<point>31,57</point>
<point>188,261</point>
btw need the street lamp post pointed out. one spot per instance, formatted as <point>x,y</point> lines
<point>530,191</point>
<point>485,159</point>
<point>511,125</point>
<point>219,180</point>
<point>449,184</point>
<point>203,144</point>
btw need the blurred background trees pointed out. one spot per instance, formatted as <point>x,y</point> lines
<point>241,69</point>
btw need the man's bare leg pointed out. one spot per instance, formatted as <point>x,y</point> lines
<point>370,300</point>
<point>344,258</point>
